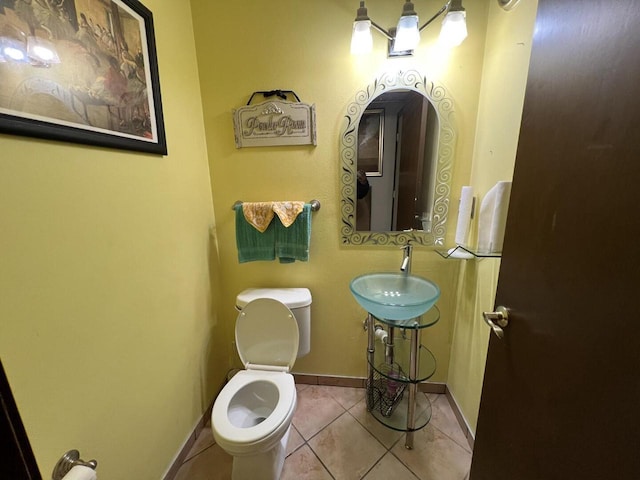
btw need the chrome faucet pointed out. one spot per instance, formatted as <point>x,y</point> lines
<point>406,259</point>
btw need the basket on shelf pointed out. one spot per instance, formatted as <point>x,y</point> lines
<point>386,389</point>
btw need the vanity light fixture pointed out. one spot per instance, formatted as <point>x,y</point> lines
<point>404,38</point>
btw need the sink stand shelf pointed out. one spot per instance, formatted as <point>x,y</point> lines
<point>396,368</point>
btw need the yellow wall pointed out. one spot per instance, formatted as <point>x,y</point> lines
<point>304,46</point>
<point>116,319</point>
<point>108,325</point>
<point>506,62</point>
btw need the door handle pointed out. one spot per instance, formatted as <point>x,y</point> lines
<point>497,320</point>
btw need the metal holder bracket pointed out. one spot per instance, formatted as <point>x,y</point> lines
<point>67,462</point>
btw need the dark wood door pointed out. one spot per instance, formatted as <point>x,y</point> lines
<point>412,151</point>
<point>18,462</point>
<point>561,394</point>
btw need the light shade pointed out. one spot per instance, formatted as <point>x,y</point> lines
<point>454,28</point>
<point>361,39</point>
<point>407,33</point>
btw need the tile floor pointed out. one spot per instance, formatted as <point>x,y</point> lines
<point>333,437</point>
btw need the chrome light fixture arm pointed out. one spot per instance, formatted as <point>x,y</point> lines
<point>404,38</point>
<point>440,12</point>
<point>381,30</point>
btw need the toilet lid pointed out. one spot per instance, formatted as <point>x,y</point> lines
<point>267,335</point>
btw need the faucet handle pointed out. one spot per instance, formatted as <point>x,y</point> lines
<point>407,247</point>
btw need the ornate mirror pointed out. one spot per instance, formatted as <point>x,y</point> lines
<point>396,154</point>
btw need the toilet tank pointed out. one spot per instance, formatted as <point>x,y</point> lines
<point>298,300</point>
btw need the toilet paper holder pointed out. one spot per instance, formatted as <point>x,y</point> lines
<point>68,461</point>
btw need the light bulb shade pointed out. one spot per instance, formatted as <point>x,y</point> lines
<point>407,34</point>
<point>454,29</point>
<point>361,39</point>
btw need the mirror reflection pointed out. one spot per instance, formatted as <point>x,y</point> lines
<point>396,154</point>
<point>396,136</point>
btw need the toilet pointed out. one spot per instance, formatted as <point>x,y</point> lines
<point>251,417</point>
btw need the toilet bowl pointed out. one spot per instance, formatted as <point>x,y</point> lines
<point>251,416</point>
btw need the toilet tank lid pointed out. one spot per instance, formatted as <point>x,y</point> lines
<point>291,297</point>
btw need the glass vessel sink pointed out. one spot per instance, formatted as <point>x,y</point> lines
<point>394,296</point>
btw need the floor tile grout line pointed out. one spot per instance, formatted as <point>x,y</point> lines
<point>344,409</point>
<point>319,431</point>
<point>393,445</point>
<point>327,468</point>
<point>405,465</point>
<point>374,465</point>
<point>465,448</point>
<point>320,460</point>
<point>388,450</point>
<point>188,460</point>
<point>304,442</point>
<point>370,432</point>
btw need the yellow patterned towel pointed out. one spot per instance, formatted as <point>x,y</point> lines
<point>288,211</point>
<point>258,214</point>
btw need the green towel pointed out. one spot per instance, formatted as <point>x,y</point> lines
<point>253,245</point>
<point>292,243</point>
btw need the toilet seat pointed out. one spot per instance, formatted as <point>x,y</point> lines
<point>267,342</point>
<point>238,440</point>
<point>267,335</point>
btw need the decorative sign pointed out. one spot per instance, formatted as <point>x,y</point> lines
<point>274,123</point>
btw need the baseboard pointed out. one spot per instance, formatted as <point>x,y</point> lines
<point>330,380</point>
<point>188,444</point>
<point>186,447</point>
<point>461,420</point>
<point>358,382</point>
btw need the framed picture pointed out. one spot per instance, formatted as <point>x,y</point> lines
<point>82,71</point>
<point>370,142</point>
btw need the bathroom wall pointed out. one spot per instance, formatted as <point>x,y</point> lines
<point>506,62</point>
<point>304,46</point>
<point>108,281</point>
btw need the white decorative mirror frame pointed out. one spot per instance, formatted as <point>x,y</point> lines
<point>441,183</point>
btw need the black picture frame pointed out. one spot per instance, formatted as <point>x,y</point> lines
<point>102,87</point>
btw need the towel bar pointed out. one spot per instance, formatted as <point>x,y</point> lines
<point>315,205</point>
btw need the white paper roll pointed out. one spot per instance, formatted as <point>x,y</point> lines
<point>493,218</point>
<point>464,216</point>
<point>80,472</point>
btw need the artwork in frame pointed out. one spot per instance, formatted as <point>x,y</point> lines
<point>370,142</point>
<point>82,71</point>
